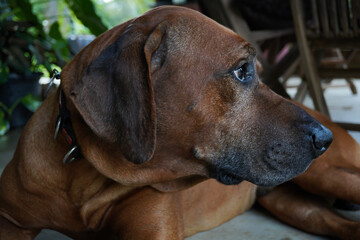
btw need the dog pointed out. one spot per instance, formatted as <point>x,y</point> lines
<point>166,131</point>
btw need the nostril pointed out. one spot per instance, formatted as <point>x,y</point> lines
<point>322,139</point>
<point>314,140</point>
<point>318,143</point>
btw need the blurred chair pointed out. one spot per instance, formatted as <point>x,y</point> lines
<point>335,24</point>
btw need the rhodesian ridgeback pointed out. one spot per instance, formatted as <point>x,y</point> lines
<point>162,129</point>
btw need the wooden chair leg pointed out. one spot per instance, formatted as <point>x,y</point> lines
<point>307,59</point>
<point>351,85</point>
<point>301,92</point>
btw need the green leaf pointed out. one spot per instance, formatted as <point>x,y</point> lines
<point>60,46</point>
<point>4,124</point>
<point>3,108</point>
<point>2,114</point>
<point>8,14</point>
<point>85,12</point>
<point>4,73</point>
<point>23,11</point>
<point>31,102</point>
<point>55,32</point>
<point>37,54</point>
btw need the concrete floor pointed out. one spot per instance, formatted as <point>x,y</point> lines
<point>256,223</point>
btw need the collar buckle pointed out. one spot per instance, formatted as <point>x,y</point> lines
<point>64,125</point>
<point>57,128</point>
<point>67,158</point>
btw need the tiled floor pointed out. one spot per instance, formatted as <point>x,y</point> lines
<point>255,224</point>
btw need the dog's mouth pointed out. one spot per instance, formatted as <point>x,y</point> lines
<point>227,178</point>
<point>269,172</point>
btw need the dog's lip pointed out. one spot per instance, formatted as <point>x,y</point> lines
<point>226,177</point>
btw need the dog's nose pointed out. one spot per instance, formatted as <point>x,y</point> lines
<point>322,138</point>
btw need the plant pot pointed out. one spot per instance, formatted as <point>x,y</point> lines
<point>15,88</point>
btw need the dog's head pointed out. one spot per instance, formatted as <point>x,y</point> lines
<point>174,91</point>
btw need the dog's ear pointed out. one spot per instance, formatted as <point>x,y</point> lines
<point>115,96</point>
<point>155,48</point>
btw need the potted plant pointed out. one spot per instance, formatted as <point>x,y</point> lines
<point>26,52</point>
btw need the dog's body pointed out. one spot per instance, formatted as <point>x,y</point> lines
<point>156,112</point>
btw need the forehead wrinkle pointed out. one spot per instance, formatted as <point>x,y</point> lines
<point>250,49</point>
<point>239,52</point>
<point>185,39</point>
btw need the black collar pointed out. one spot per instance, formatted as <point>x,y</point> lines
<point>64,125</point>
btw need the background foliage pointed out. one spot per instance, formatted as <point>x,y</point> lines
<point>53,21</point>
<point>88,16</point>
<point>34,36</point>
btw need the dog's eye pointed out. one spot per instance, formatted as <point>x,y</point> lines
<point>244,73</point>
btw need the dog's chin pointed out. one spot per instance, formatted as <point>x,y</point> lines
<point>227,178</point>
<point>269,178</point>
